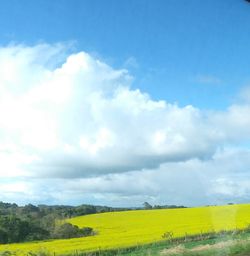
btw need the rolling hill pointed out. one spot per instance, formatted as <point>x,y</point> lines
<point>131,228</point>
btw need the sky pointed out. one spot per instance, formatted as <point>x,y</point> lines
<point>122,102</point>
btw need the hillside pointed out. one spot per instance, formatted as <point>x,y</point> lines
<point>132,228</point>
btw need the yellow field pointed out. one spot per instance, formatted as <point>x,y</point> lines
<point>123,229</point>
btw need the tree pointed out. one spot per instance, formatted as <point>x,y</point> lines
<point>147,206</point>
<point>3,237</point>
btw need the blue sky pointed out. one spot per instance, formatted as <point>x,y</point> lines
<point>121,102</point>
<point>173,42</point>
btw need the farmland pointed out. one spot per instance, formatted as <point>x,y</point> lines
<point>132,228</point>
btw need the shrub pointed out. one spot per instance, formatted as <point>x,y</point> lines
<point>68,230</point>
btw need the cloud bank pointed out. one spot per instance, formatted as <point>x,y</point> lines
<point>70,122</point>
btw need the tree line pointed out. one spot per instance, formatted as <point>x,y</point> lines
<point>148,206</point>
<point>42,222</point>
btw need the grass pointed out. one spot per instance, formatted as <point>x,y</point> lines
<point>134,229</point>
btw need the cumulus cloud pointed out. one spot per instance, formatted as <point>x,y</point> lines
<point>69,115</point>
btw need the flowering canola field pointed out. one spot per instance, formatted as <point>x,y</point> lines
<point>129,228</point>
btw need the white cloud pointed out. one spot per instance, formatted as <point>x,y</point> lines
<point>72,116</point>
<point>222,179</point>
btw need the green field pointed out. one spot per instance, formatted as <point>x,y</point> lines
<point>117,230</point>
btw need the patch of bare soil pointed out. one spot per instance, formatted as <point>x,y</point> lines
<point>200,248</point>
<point>219,245</point>
<point>174,250</point>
